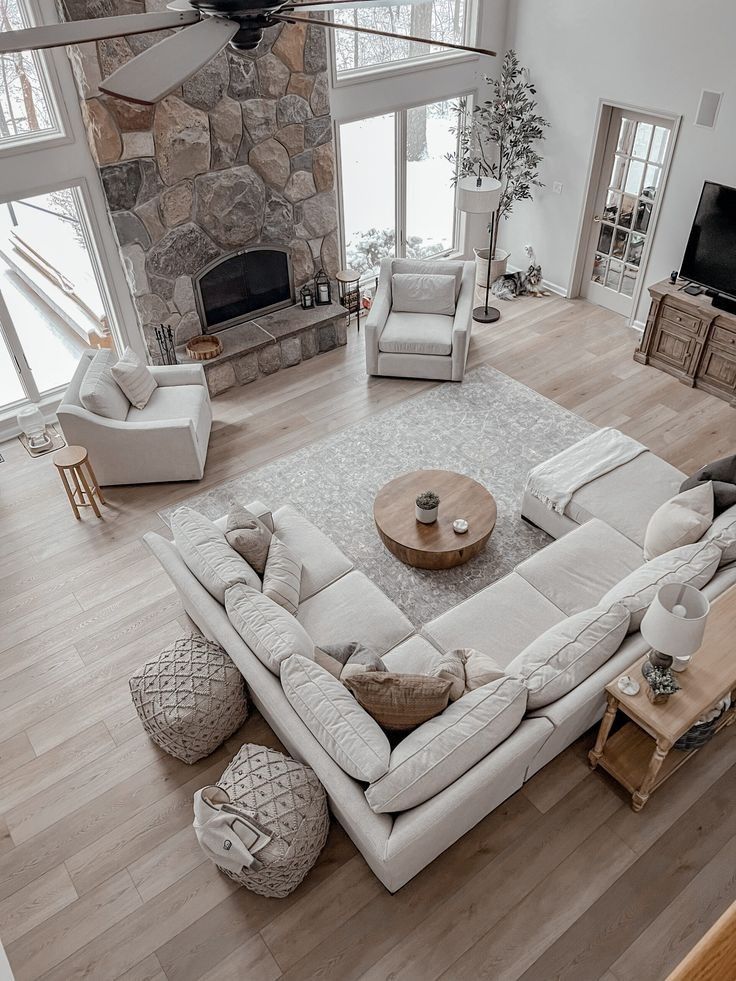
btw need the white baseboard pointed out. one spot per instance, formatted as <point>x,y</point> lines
<point>639,325</point>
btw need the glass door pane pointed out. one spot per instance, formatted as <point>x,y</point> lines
<point>48,282</point>
<point>368,158</point>
<point>430,195</point>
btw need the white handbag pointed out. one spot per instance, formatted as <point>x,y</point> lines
<point>227,834</point>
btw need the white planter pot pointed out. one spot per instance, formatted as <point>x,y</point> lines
<point>498,266</point>
<point>426,517</point>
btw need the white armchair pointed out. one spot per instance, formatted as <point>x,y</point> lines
<point>165,441</point>
<point>420,345</point>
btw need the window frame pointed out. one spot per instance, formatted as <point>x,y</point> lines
<point>400,185</point>
<point>432,60</point>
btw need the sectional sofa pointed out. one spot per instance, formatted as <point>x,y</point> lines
<point>598,544</point>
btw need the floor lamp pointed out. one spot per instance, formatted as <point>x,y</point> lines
<point>481,196</point>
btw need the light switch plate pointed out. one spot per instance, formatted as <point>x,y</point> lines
<point>557,187</point>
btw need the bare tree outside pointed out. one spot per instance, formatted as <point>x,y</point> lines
<point>23,105</point>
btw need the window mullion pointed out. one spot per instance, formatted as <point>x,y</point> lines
<point>401,183</point>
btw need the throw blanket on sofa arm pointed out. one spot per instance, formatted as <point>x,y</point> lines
<point>555,481</point>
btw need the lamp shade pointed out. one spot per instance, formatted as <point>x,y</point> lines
<point>675,622</point>
<point>478,195</point>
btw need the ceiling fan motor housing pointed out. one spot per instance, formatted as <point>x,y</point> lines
<point>253,16</point>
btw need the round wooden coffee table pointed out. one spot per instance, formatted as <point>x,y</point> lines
<point>434,546</point>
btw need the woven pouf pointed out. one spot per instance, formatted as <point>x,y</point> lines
<point>287,800</point>
<point>190,698</point>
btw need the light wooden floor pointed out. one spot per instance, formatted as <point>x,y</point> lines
<point>100,875</point>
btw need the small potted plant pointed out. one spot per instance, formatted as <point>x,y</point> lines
<point>427,506</point>
<point>660,685</point>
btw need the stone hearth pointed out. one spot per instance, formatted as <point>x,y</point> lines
<point>242,154</point>
<point>278,340</point>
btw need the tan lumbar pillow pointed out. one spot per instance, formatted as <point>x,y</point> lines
<point>282,577</point>
<point>680,521</point>
<point>400,702</point>
<point>249,536</point>
<point>134,378</point>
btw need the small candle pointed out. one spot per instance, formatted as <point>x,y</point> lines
<point>460,526</point>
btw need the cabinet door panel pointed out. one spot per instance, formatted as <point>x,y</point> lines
<point>718,368</point>
<point>672,346</point>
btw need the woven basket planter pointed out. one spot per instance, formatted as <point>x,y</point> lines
<point>286,799</point>
<point>698,735</point>
<point>190,698</point>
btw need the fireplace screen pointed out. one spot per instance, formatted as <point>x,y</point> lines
<point>240,286</point>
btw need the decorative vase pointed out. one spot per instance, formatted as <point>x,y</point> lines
<point>427,517</point>
<point>656,697</point>
<point>498,266</point>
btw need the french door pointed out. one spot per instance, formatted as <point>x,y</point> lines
<point>630,186</point>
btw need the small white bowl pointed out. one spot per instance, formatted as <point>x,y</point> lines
<point>460,526</point>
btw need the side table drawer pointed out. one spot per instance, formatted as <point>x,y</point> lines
<point>679,318</point>
<point>721,335</point>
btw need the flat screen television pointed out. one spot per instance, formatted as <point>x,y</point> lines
<point>710,256</point>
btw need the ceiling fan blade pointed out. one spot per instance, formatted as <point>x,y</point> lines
<point>81,31</point>
<point>161,69</point>
<point>319,6</point>
<point>179,5</point>
<point>288,18</point>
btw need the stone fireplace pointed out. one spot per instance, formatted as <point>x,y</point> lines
<point>237,161</point>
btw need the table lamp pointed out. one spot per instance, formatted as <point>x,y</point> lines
<point>482,196</point>
<point>674,626</point>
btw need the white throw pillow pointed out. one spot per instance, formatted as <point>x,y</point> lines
<point>693,564</point>
<point>134,378</point>
<point>723,533</point>
<point>416,293</point>
<point>680,521</point>
<point>437,753</point>
<point>568,653</point>
<point>480,668</point>
<point>207,554</point>
<point>270,631</point>
<point>282,576</point>
<point>345,730</point>
<point>99,392</point>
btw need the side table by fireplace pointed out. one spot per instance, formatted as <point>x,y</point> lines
<point>640,755</point>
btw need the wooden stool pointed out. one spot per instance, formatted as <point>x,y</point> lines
<point>82,494</point>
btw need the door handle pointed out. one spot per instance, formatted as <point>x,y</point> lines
<point>597,218</point>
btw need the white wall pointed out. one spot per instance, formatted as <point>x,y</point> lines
<point>657,54</point>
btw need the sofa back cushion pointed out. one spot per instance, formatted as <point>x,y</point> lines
<point>416,293</point>
<point>345,730</point>
<point>723,533</point>
<point>99,392</point>
<point>206,552</point>
<point>440,751</point>
<point>269,630</point>
<point>568,653</point>
<point>693,564</point>
<point>680,521</point>
<point>431,267</point>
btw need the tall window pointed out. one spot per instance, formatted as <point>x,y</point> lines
<point>26,107</point>
<point>445,20</point>
<point>397,186</point>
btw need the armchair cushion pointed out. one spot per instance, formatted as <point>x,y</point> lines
<point>416,333</point>
<point>414,293</point>
<point>99,392</point>
<point>181,402</point>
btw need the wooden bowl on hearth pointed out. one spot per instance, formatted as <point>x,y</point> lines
<point>204,347</point>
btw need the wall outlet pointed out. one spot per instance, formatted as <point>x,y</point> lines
<point>557,187</point>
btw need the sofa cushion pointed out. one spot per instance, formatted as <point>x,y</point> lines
<point>413,656</point>
<point>269,630</point>
<point>353,608</point>
<point>723,475</point>
<point>99,392</point>
<point>207,554</point>
<point>170,402</point>
<point>134,378</point>
<point>249,536</point>
<point>692,564</point>
<point>500,620</point>
<point>345,730</point>
<point>723,533</point>
<point>322,561</point>
<point>417,333</point>
<point>431,267</point>
<point>680,521</point>
<point>628,496</point>
<point>575,571</point>
<point>444,748</point>
<point>282,576</point>
<point>416,293</point>
<point>399,702</point>
<point>569,652</point>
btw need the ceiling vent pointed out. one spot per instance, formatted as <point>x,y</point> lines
<point>710,103</point>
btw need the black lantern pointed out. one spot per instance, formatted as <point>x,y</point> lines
<point>322,289</point>
<point>307,297</point>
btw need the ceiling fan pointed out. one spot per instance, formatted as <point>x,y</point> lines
<point>209,25</point>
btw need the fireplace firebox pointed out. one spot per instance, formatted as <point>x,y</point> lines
<point>242,286</point>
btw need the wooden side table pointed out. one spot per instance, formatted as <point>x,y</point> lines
<point>81,488</point>
<point>640,755</point>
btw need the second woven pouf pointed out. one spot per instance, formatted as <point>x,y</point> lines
<point>288,801</point>
<point>190,698</point>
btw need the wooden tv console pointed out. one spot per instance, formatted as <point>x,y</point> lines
<point>687,337</point>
